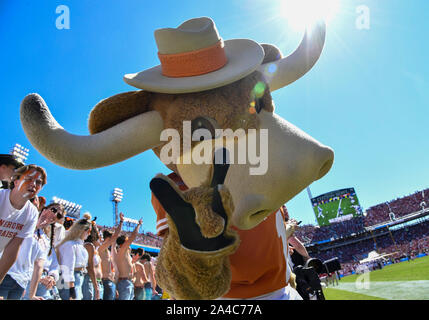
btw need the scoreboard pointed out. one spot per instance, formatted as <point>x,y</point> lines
<point>336,206</point>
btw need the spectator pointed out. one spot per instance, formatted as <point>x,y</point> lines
<point>108,277</point>
<point>47,289</point>
<point>31,257</point>
<point>141,278</point>
<point>8,164</point>
<point>49,273</point>
<point>92,286</point>
<point>125,284</point>
<point>17,214</point>
<point>150,285</point>
<point>74,258</point>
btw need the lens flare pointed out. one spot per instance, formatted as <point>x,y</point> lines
<point>259,89</point>
<point>300,13</point>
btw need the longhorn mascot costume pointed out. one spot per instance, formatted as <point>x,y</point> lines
<point>223,235</point>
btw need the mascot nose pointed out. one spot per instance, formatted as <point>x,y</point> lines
<point>326,155</point>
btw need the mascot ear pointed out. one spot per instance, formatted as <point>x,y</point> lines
<point>272,53</point>
<point>118,108</point>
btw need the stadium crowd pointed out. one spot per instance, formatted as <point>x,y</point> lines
<point>338,230</point>
<point>408,241</point>
<point>351,242</point>
<point>400,207</point>
<point>375,215</point>
<point>47,255</point>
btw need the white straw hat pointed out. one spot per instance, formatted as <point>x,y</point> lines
<point>195,58</point>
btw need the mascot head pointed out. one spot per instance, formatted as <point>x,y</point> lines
<point>206,93</point>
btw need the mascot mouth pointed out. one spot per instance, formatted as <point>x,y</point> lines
<point>259,214</point>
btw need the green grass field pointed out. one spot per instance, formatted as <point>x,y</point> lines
<point>401,281</point>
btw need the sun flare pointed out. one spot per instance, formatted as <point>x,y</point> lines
<point>300,13</point>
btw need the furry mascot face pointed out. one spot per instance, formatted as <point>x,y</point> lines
<point>209,84</point>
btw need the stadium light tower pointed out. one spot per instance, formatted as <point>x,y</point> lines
<point>117,195</point>
<point>309,193</point>
<point>20,153</point>
<point>310,197</point>
<point>72,209</point>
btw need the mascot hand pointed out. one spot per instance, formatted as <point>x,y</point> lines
<point>193,262</point>
<point>291,227</point>
<point>200,214</point>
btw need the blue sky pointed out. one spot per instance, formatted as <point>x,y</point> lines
<point>367,97</point>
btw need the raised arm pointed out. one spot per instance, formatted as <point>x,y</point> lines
<point>119,227</point>
<point>298,246</point>
<point>133,235</point>
<point>107,243</point>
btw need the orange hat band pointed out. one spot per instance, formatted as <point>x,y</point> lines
<point>193,63</point>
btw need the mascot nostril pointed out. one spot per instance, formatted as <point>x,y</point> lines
<point>212,248</point>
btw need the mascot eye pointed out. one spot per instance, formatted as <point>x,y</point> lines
<point>208,125</point>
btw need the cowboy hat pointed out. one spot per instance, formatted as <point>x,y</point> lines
<point>194,58</point>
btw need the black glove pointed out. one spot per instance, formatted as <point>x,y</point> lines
<point>183,213</point>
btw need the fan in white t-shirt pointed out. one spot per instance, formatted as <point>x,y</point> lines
<point>31,257</point>
<point>18,216</point>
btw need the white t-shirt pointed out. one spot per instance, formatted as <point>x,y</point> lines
<point>59,234</point>
<point>13,222</point>
<point>72,255</point>
<point>22,270</point>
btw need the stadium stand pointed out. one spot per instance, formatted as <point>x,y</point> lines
<point>400,207</point>
<point>351,241</point>
<point>311,234</point>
